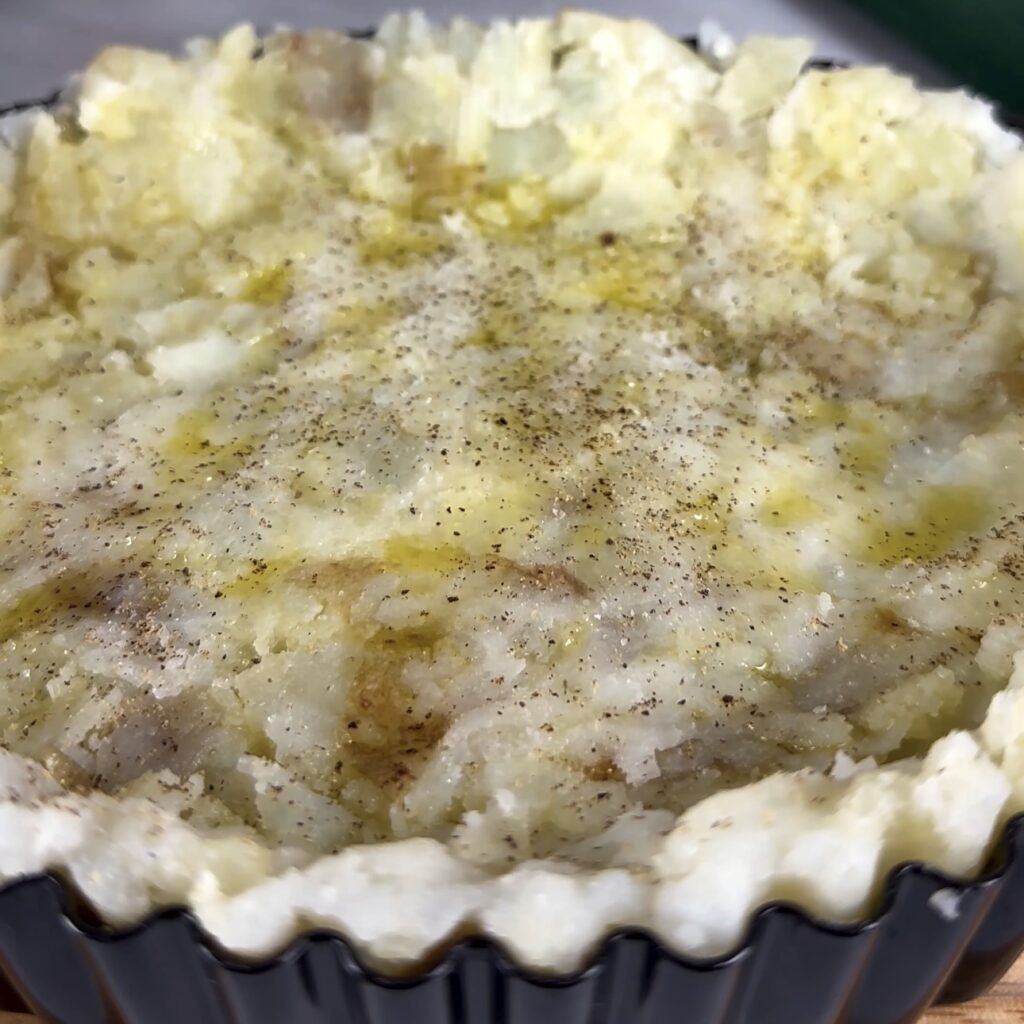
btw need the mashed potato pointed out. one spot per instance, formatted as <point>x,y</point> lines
<point>537,478</point>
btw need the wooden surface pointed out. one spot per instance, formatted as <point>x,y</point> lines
<point>1004,1006</point>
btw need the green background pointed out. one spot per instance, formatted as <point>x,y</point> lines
<point>980,41</point>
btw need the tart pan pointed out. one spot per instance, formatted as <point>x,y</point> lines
<point>934,939</point>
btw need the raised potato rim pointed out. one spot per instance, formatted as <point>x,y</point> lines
<point>1008,848</point>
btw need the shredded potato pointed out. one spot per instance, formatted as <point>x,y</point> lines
<point>537,477</point>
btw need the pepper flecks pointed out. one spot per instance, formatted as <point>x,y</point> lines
<point>358,493</point>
